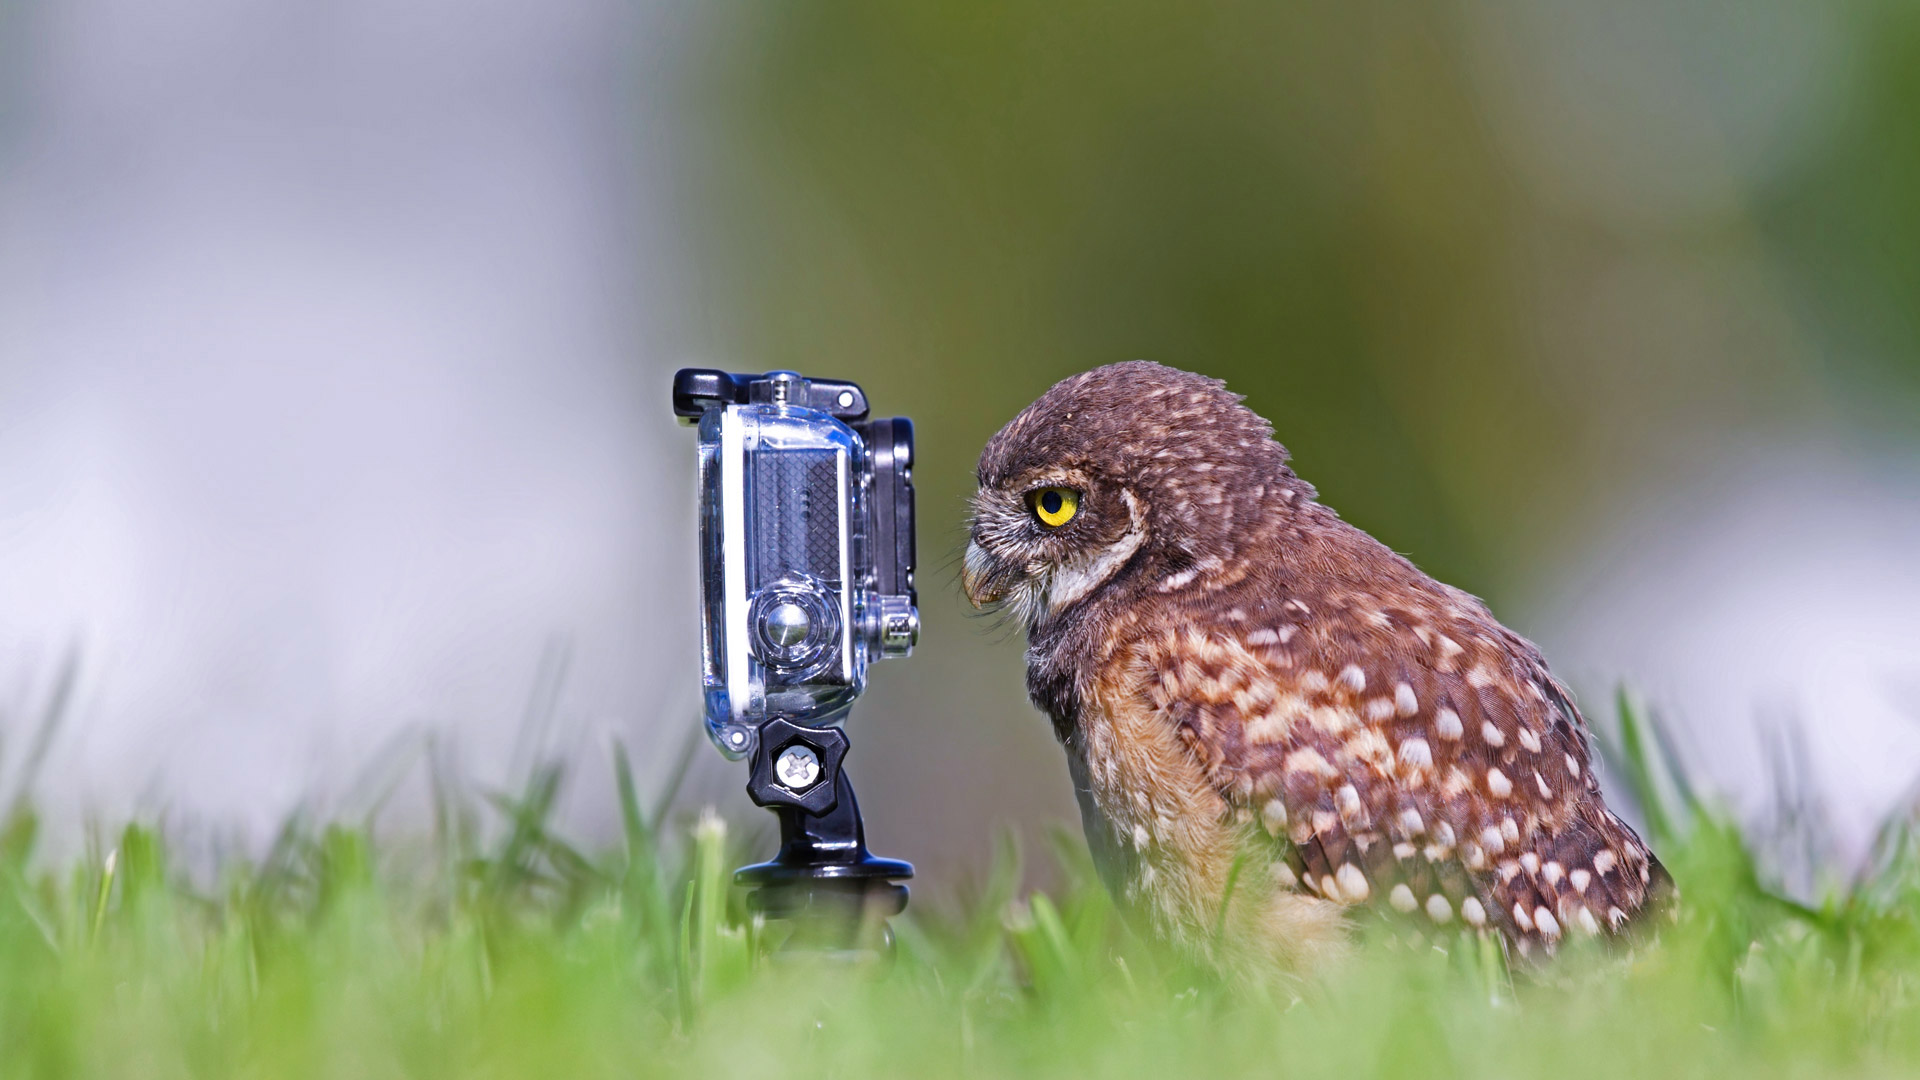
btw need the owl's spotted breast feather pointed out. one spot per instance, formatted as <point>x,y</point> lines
<point>1255,680</point>
<point>1445,780</point>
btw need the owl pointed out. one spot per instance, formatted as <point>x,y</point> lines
<point>1273,722</point>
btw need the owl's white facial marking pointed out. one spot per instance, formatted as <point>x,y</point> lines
<point>1073,580</point>
<point>1004,566</point>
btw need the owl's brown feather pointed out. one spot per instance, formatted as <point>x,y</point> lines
<point>1243,679</point>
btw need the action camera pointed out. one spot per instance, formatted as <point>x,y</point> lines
<point>806,546</point>
<point>806,578</point>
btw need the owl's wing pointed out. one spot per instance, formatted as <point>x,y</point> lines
<point>1430,764</point>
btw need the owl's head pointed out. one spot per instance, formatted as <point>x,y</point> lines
<point>1125,472</point>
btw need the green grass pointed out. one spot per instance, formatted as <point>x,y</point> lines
<point>495,948</point>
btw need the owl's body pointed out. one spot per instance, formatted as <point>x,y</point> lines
<point>1270,717</point>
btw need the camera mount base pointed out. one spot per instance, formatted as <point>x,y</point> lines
<point>836,894</point>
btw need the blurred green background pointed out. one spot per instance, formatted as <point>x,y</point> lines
<point>1499,274</point>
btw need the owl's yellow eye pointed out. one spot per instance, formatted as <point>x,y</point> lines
<point>1055,506</point>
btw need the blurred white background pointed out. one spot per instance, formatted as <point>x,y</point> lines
<point>331,383</point>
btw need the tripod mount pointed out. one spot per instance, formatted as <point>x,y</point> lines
<point>836,894</point>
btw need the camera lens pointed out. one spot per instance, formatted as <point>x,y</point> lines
<point>794,625</point>
<point>787,624</point>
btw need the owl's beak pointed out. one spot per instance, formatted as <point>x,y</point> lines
<point>977,577</point>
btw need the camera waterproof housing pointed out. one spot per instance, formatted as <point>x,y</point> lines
<point>806,547</point>
<point>806,578</point>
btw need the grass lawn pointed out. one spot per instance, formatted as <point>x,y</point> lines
<point>504,951</point>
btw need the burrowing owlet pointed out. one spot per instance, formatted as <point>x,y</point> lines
<point>1269,717</point>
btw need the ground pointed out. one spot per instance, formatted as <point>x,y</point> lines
<point>499,950</point>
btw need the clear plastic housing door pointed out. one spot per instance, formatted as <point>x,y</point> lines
<point>783,542</point>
